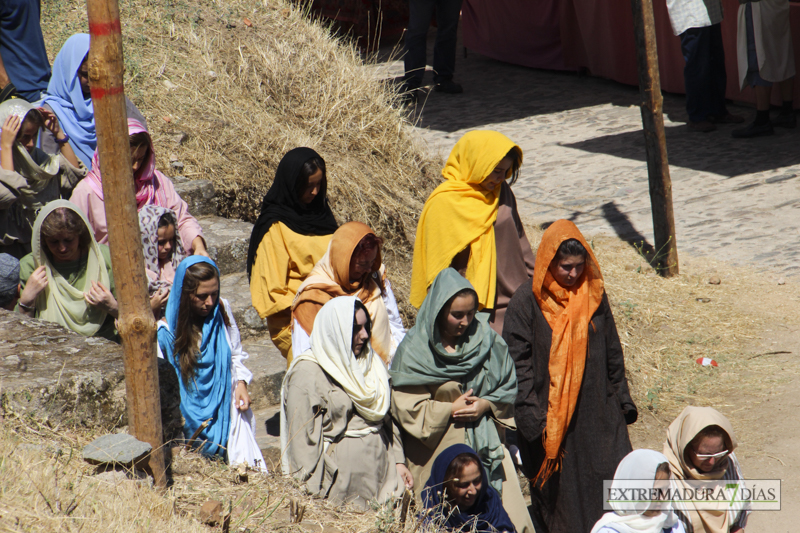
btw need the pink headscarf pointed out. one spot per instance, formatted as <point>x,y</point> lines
<point>148,179</point>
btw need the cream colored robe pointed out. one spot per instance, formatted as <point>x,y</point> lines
<point>424,414</point>
<point>773,41</point>
<point>355,470</point>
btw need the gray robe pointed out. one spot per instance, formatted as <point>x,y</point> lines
<point>355,470</point>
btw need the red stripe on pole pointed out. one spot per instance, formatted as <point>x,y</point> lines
<point>99,92</point>
<point>105,28</point>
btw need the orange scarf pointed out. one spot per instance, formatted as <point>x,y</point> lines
<point>331,278</point>
<point>568,311</point>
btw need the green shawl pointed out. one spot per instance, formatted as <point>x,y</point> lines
<point>481,363</point>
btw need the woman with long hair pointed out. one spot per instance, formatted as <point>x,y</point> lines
<point>199,337</point>
<point>573,404</point>
<point>470,223</point>
<point>152,188</point>
<point>67,277</point>
<point>352,266</point>
<point>454,383</point>
<point>291,234</point>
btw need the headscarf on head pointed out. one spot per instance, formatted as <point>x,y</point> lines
<point>281,204</point>
<point>487,513</point>
<point>60,302</point>
<point>9,275</point>
<point>208,395</point>
<point>149,216</point>
<point>365,380</point>
<point>331,278</point>
<point>481,363</point>
<point>75,111</point>
<point>568,311</point>
<point>148,180</point>
<point>680,433</point>
<point>38,175</point>
<point>460,213</point>
<point>636,466</point>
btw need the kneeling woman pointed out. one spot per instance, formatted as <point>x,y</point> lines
<point>67,277</point>
<point>352,266</point>
<point>454,383</point>
<point>199,337</point>
<point>573,403</point>
<point>337,434</point>
<point>458,495</point>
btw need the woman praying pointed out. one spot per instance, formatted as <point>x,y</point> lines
<point>337,434</point>
<point>454,383</point>
<point>199,338</point>
<point>573,404</point>
<point>152,188</point>
<point>291,234</point>
<point>352,266</point>
<point>470,223</point>
<point>67,277</point>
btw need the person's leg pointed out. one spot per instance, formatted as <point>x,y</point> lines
<point>696,48</point>
<point>786,118</point>
<point>419,19</point>
<point>717,77</point>
<point>444,50</point>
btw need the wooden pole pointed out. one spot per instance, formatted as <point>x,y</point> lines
<point>666,260</point>
<point>136,322</point>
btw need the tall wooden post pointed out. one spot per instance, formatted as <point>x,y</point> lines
<point>655,140</point>
<point>136,323</point>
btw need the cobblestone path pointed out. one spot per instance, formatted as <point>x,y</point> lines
<point>585,160</point>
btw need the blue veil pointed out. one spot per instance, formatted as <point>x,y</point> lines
<point>208,395</point>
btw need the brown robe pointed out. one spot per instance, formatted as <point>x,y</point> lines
<point>355,470</point>
<point>424,414</point>
<point>515,258</point>
<point>597,438</point>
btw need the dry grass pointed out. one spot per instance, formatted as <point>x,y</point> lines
<point>246,81</point>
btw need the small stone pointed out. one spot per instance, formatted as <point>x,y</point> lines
<point>211,74</point>
<point>167,119</point>
<point>173,157</point>
<point>247,22</point>
<point>169,85</point>
<point>781,281</point>
<point>177,165</point>
<point>120,449</point>
<point>179,138</point>
<point>714,280</point>
<point>211,512</point>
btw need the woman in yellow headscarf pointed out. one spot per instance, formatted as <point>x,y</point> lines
<point>573,403</point>
<point>470,223</point>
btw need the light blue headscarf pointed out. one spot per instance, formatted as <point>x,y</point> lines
<point>209,394</point>
<point>74,111</point>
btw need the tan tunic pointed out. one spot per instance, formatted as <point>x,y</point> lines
<point>424,414</point>
<point>355,470</point>
<point>773,38</point>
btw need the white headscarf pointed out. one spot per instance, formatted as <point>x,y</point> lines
<point>60,302</point>
<point>365,380</point>
<point>637,465</point>
<point>38,174</point>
